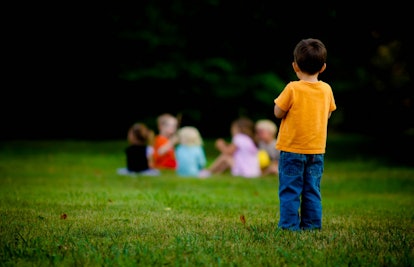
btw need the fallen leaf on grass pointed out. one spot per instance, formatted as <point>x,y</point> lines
<point>243,219</point>
<point>63,216</point>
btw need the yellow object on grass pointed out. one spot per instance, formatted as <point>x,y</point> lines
<point>264,159</point>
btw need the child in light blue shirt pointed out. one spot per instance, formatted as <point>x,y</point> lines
<point>189,152</point>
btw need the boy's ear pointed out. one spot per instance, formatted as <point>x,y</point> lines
<point>295,66</point>
<point>323,68</point>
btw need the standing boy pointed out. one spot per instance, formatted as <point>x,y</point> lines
<point>304,107</point>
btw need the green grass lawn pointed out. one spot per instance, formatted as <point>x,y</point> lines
<point>62,204</point>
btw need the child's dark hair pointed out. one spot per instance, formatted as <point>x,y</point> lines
<point>140,133</point>
<point>245,125</point>
<point>310,55</point>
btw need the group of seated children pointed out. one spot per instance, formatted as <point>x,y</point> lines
<point>251,153</point>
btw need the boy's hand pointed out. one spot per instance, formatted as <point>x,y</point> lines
<point>174,139</point>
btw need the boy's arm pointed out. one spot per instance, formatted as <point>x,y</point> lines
<point>168,145</point>
<point>279,113</point>
<point>165,148</point>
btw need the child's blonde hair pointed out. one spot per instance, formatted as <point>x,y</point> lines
<point>166,118</point>
<point>267,125</point>
<point>189,135</point>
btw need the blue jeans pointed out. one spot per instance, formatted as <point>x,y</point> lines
<point>299,191</point>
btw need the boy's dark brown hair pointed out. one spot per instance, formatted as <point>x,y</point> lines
<point>310,55</point>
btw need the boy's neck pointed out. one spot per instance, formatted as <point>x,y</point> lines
<point>308,78</point>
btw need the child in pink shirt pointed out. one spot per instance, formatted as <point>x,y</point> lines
<point>240,155</point>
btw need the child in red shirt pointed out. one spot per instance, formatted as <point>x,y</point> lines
<point>164,142</point>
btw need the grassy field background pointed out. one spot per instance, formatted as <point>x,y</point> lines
<point>62,204</point>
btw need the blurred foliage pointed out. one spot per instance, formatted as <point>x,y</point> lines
<point>210,61</point>
<point>235,58</point>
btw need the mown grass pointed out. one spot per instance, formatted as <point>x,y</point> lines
<point>62,204</point>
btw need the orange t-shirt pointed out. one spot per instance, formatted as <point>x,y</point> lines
<point>304,128</point>
<point>167,160</point>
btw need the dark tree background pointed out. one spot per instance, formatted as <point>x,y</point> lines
<point>88,72</point>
